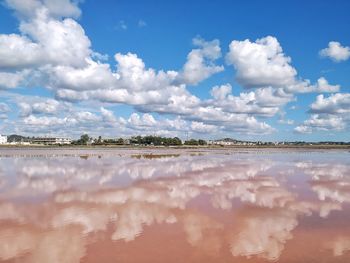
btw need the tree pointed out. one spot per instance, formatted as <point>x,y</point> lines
<point>191,142</point>
<point>84,139</point>
<point>202,142</point>
<point>120,141</point>
<point>176,141</point>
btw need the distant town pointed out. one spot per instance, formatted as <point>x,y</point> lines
<point>150,140</point>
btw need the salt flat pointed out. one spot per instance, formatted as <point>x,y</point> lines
<point>174,205</point>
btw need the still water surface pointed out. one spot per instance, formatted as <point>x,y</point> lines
<point>174,206</point>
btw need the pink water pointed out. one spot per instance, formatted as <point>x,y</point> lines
<point>174,206</point>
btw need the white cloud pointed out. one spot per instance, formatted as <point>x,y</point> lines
<point>248,125</point>
<point>203,128</point>
<point>134,75</point>
<point>27,9</point>
<point>200,62</point>
<point>321,123</point>
<point>324,86</point>
<point>9,80</point>
<point>18,51</point>
<point>91,77</point>
<point>99,57</point>
<point>221,92</point>
<point>75,119</point>
<point>108,115</point>
<point>86,116</point>
<point>44,40</point>
<point>261,63</point>
<point>146,120</point>
<point>262,101</point>
<point>288,122</point>
<point>49,106</point>
<point>53,51</point>
<point>61,42</point>
<point>303,129</point>
<point>336,52</point>
<point>45,121</point>
<point>305,86</point>
<point>270,97</point>
<point>328,114</point>
<point>338,103</point>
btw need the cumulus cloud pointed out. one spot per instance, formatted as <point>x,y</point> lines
<point>18,51</point>
<point>45,40</point>
<point>303,129</point>
<point>108,115</point>
<point>336,52</point>
<point>62,8</point>
<point>288,122</point>
<point>146,120</point>
<point>262,101</point>
<point>52,51</point>
<point>305,86</point>
<point>261,63</point>
<point>46,121</point>
<point>324,86</point>
<point>69,121</point>
<point>62,42</point>
<point>200,62</point>
<point>203,128</point>
<point>76,79</point>
<point>41,118</point>
<point>221,92</point>
<point>49,106</point>
<point>10,80</point>
<point>321,123</point>
<point>335,104</point>
<point>328,113</point>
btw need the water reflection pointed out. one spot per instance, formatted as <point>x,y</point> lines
<point>214,206</point>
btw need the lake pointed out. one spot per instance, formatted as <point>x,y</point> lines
<point>174,205</point>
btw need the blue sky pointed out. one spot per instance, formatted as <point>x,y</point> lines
<point>261,70</point>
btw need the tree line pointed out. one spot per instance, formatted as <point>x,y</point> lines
<point>138,140</point>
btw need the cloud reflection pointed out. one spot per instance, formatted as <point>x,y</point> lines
<point>53,207</point>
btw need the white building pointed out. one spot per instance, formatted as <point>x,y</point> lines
<point>221,142</point>
<point>52,140</point>
<point>3,139</point>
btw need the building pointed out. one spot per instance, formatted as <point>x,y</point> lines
<point>221,142</point>
<point>224,142</point>
<point>52,140</point>
<point>3,139</point>
<point>231,142</point>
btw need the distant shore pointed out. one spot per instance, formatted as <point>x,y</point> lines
<point>216,147</point>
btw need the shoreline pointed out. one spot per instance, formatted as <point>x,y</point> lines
<point>139,147</point>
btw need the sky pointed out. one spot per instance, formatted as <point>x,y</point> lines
<point>252,70</point>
